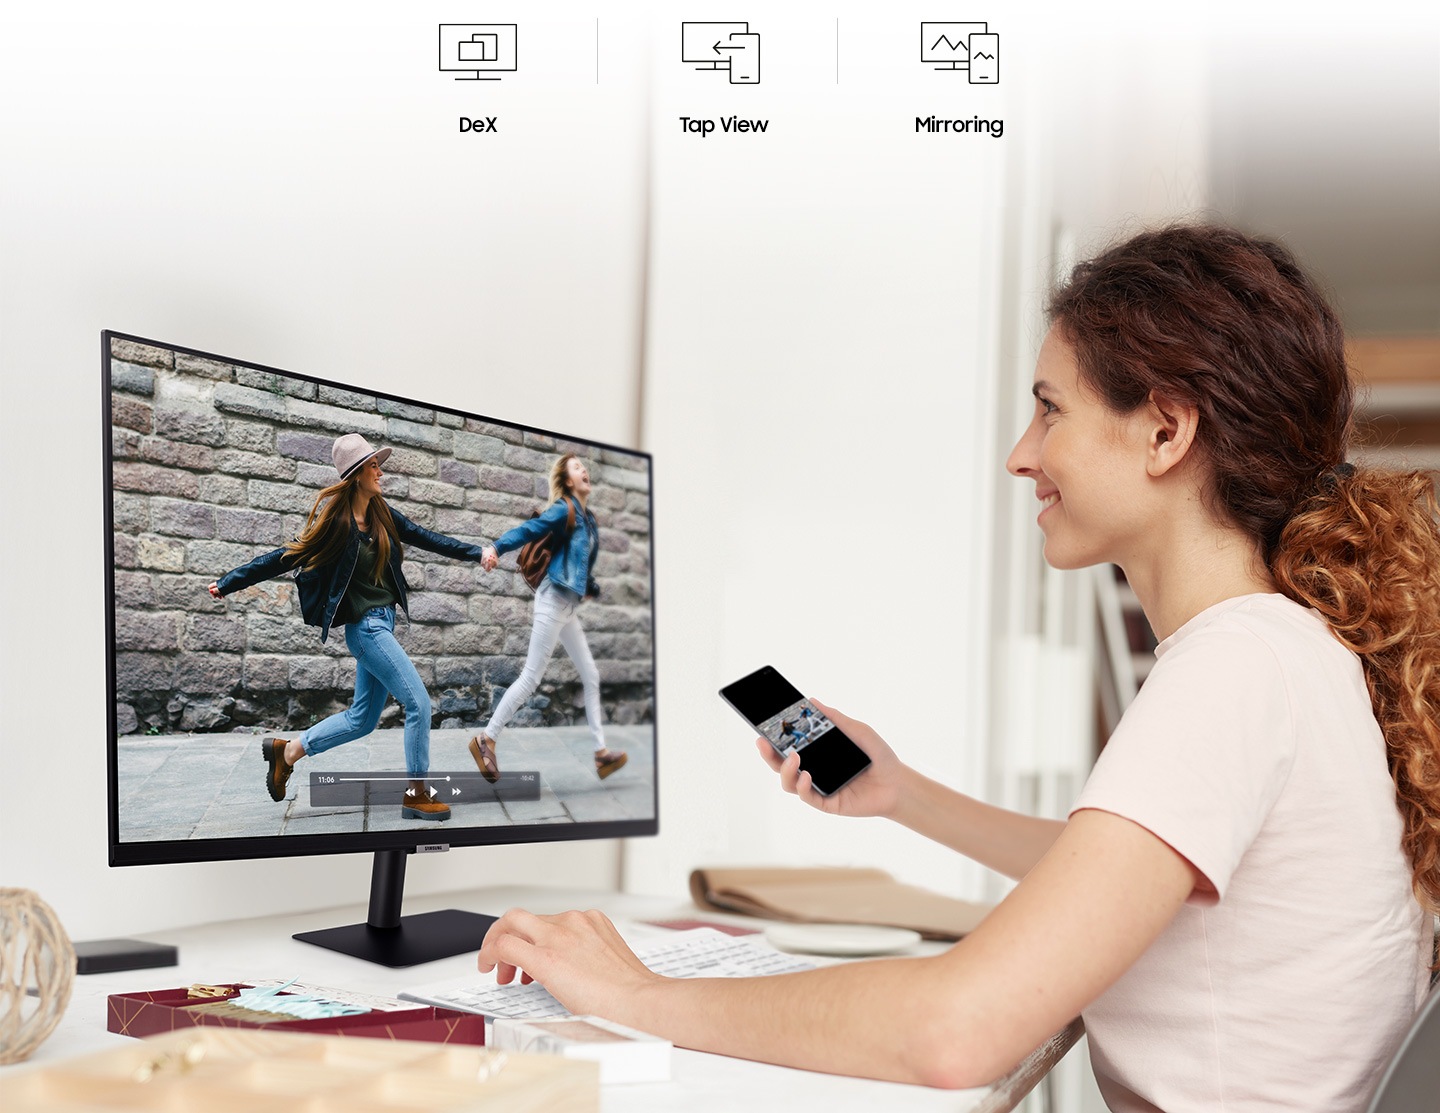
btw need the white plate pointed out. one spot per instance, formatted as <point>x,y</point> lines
<point>841,939</point>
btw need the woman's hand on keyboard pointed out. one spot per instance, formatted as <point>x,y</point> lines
<point>578,956</point>
<point>876,791</point>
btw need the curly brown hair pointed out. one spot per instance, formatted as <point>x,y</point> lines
<point>1232,324</point>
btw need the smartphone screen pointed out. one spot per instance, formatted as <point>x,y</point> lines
<point>984,59</point>
<point>791,723</point>
<point>744,59</point>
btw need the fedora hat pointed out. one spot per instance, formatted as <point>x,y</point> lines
<point>353,451</point>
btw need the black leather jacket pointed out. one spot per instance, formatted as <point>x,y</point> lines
<point>322,588</point>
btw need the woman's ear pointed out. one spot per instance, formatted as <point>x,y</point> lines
<point>1172,429</point>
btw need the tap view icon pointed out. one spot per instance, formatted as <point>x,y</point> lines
<point>481,51</point>
<point>722,46</point>
<point>962,46</point>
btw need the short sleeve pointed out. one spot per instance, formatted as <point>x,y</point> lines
<point>1203,753</point>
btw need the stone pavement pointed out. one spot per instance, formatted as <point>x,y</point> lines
<point>212,786</point>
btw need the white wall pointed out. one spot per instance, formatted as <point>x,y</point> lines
<point>822,314</point>
<point>825,329</point>
<point>290,187</point>
<point>819,374</point>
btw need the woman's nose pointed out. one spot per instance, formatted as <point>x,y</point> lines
<point>1024,458</point>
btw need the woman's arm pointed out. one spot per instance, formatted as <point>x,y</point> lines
<point>1008,842</point>
<point>264,567</point>
<point>1005,841</point>
<point>412,534</point>
<point>957,1019</point>
<point>553,518</point>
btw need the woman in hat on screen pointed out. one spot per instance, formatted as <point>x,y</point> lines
<point>349,574</point>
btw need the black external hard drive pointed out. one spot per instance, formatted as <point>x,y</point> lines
<point>105,956</point>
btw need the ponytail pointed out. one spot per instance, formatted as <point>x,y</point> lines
<point>1364,551</point>
<point>1233,324</point>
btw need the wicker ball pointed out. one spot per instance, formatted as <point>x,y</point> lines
<point>37,971</point>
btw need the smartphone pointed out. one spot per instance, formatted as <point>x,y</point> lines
<point>745,59</point>
<point>984,59</point>
<point>791,723</point>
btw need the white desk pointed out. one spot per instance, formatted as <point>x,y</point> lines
<point>262,948</point>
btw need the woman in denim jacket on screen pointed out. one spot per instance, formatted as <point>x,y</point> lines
<point>569,580</point>
<point>349,560</point>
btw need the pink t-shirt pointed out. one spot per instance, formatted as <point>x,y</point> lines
<point>1252,749</point>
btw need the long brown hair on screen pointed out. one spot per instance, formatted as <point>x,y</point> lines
<point>1232,324</point>
<point>327,528</point>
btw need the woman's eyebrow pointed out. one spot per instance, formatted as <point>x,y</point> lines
<point>1040,385</point>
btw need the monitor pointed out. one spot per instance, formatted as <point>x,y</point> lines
<point>709,45</point>
<point>387,668</point>
<point>479,51</point>
<point>947,45</point>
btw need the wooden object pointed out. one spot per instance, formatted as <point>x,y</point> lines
<point>223,1070</point>
<point>1010,1091</point>
<point>1394,359</point>
<point>37,971</point>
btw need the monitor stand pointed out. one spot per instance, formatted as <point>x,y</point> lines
<point>391,939</point>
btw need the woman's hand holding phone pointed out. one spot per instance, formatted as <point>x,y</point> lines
<point>875,793</point>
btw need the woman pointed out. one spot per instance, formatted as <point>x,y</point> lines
<point>349,556</point>
<point>569,579</point>
<point>1240,902</point>
<point>789,729</point>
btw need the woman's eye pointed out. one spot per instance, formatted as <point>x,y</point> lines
<point>1047,407</point>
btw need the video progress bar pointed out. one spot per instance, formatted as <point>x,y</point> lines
<point>358,789</point>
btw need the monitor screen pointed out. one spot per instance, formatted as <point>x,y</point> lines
<point>479,48</point>
<point>311,650</point>
<point>948,44</point>
<point>710,43</point>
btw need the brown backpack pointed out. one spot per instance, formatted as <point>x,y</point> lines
<point>534,556</point>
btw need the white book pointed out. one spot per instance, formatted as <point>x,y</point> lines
<point>624,1054</point>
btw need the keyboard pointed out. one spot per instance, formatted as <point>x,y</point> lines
<point>698,953</point>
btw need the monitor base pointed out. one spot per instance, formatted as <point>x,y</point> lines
<point>424,937</point>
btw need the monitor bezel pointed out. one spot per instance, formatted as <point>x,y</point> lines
<point>740,26</point>
<point>957,63</point>
<point>464,66</point>
<point>358,842</point>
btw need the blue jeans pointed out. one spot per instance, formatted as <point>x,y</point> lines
<point>381,669</point>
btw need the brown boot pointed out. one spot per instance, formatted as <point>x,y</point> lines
<point>482,749</point>
<point>277,772</point>
<point>419,804</point>
<point>607,761</point>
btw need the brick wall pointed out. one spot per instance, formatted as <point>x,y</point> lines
<point>215,464</point>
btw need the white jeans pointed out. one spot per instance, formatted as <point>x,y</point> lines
<point>555,620</point>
